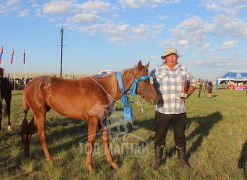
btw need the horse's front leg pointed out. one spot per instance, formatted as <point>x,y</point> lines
<point>105,140</point>
<point>92,128</point>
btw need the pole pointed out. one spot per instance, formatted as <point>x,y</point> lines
<point>25,80</point>
<point>14,72</point>
<point>24,61</point>
<point>61,62</point>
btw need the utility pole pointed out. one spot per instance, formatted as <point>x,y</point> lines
<point>61,62</point>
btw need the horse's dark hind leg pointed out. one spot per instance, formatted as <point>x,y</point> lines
<point>1,113</point>
<point>27,130</point>
<point>8,112</point>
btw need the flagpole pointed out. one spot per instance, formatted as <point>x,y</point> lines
<point>25,75</point>
<point>61,61</point>
<point>14,73</point>
<point>1,58</point>
<point>24,61</point>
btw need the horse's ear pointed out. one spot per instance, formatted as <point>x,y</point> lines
<point>139,65</point>
<point>147,66</point>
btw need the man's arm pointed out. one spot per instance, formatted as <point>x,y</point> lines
<point>190,90</point>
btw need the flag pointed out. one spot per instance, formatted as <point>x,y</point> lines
<point>12,56</point>
<point>24,56</point>
<point>1,55</point>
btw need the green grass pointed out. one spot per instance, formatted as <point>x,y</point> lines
<point>216,143</point>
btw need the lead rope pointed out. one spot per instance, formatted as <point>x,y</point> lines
<point>138,103</point>
<point>104,89</point>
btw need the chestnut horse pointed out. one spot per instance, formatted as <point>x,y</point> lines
<point>87,99</point>
<point>5,90</point>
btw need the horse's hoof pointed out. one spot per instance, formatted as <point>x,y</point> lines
<point>50,161</point>
<point>114,165</point>
<point>90,168</point>
<point>10,129</point>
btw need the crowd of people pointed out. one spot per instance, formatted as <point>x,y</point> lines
<point>205,87</point>
<point>19,83</point>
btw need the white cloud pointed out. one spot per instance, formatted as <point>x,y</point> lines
<point>82,18</point>
<point>96,6</point>
<point>57,7</point>
<point>229,7</point>
<point>229,45</point>
<point>183,42</point>
<point>23,13</point>
<point>143,3</point>
<point>232,27</point>
<point>191,33</point>
<point>12,2</point>
<point>9,6</point>
<point>213,6</point>
<point>123,33</point>
<point>215,62</point>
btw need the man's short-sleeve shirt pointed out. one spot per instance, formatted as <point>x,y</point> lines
<point>169,84</point>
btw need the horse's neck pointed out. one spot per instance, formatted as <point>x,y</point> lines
<point>111,86</point>
<point>108,84</point>
<point>127,79</point>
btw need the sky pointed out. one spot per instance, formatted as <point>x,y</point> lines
<point>114,35</point>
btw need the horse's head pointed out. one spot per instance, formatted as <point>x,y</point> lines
<point>145,89</point>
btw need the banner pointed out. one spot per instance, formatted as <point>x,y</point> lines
<point>24,56</point>
<point>12,56</point>
<point>1,55</point>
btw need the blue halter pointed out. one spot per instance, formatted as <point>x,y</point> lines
<point>128,117</point>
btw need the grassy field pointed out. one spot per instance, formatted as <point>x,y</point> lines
<point>216,143</point>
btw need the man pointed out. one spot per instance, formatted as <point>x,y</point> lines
<point>170,80</point>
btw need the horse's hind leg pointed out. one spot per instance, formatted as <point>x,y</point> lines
<point>105,140</point>
<point>1,113</point>
<point>8,112</point>
<point>40,123</point>
<point>27,130</point>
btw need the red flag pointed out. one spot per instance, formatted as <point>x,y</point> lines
<point>1,54</point>
<point>12,56</point>
<point>24,56</point>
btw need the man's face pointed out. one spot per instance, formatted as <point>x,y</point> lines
<point>171,60</point>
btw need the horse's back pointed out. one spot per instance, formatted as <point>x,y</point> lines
<point>73,98</point>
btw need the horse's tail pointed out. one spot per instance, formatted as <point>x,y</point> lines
<point>25,105</point>
<point>24,125</point>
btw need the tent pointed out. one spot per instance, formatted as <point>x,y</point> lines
<point>236,76</point>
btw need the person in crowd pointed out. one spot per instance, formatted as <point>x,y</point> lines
<point>200,87</point>
<point>210,89</point>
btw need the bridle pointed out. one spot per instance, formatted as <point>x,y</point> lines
<point>143,90</point>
